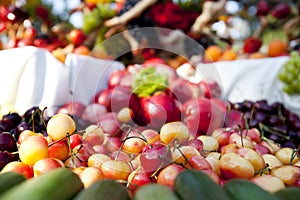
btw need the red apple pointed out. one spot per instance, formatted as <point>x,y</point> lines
<point>202,116</point>
<point>158,110</point>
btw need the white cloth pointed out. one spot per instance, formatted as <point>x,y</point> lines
<point>250,79</point>
<point>31,76</point>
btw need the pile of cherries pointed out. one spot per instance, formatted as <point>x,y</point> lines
<point>274,121</point>
<point>11,125</point>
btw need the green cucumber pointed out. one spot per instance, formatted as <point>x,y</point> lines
<point>192,184</point>
<point>104,189</point>
<point>154,192</point>
<point>9,180</point>
<point>289,193</point>
<point>61,183</point>
<point>238,189</point>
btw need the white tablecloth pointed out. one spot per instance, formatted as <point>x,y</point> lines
<point>31,76</point>
<point>250,79</point>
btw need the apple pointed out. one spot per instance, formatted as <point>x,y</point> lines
<point>202,116</point>
<point>157,110</point>
<point>184,90</point>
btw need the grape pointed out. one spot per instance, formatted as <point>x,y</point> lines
<point>289,74</point>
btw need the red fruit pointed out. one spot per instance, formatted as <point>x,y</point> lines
<point>210,89</point>
<point>77,37</point>
<point>30,33</point>
<point>281,10</point>
<point>120,78</point>
<point>42,12</point>
<point>117,98</point>
<point>155,158</point>
<point>39,42</point>
<point>262,8</point>
<point>234,118</point>
<point>72,108</point>
<point>252,45</point>
<point>184,90</point>
<point>159,109</point>
<point>3,13</point>
<point>202,116</point>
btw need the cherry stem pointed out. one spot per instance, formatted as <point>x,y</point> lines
<point>266,169</point>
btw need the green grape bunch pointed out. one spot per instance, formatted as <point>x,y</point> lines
<point>289,74</point>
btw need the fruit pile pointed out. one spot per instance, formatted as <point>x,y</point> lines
<point>150,127</point>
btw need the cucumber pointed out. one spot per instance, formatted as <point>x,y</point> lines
<point>192,184</point>
<point>238,189</point>
<point>61,183</point>
<point>289,193</point>
<point>9,180</point>
<point>104,189</point>
<point>154,192</point>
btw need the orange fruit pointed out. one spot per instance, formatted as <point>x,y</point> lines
<point>277,47</point>
<point>213,53</point>
<point>229,54</point>
<point>257,55</point>
<point>82,50</point>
